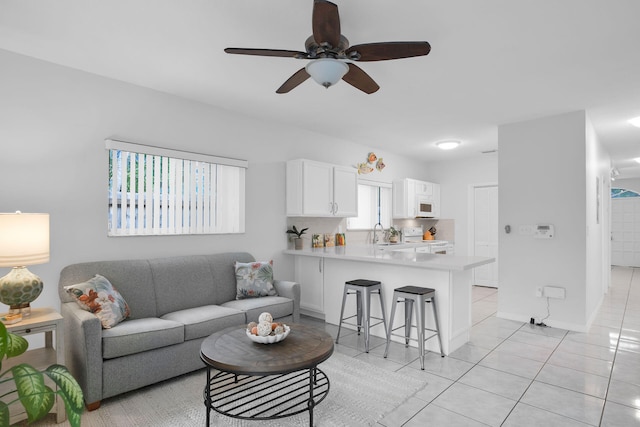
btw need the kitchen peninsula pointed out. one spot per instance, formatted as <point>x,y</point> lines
<point>322,273</point>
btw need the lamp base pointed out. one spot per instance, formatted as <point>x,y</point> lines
<point>23,309</point>
<point>18,289</point>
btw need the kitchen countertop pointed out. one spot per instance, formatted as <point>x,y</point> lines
<point>387,254</point>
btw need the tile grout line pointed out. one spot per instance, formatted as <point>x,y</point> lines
<point>615,354</point>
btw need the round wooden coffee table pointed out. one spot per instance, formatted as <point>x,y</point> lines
<point>265,381</point>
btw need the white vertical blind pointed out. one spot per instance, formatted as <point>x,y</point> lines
<point>151,194</point>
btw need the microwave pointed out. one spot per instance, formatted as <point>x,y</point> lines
<point>426,207</point>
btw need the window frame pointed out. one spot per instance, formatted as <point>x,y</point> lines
<point>378,215</point>
<point>210,191</point>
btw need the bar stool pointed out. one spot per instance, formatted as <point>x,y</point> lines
<point>362,289</point>
<point>420,296</point>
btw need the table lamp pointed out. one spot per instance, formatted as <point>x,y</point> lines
<point>24,240</point>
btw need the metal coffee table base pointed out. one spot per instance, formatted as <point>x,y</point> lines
<point>265,397</point>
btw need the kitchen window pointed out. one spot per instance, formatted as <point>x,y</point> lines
<point>374,206</point>
<point>157,191</point>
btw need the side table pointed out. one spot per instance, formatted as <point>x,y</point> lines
<point>47,321</point>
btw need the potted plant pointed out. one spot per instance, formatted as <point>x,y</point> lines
<point>394,235</point>
<point>298,233</point>
<point>35,396</point>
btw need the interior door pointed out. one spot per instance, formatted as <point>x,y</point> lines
<point>625,232</point>
<point>485,232</point>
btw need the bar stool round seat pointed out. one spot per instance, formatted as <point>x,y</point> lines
<point>414,297</point>
<point>362,289</point>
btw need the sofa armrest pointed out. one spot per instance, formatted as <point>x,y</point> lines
<point>83,349</point>
<point>290,290</point>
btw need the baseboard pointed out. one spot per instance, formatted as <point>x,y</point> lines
<point>312,313</point>
<point>549,322</point>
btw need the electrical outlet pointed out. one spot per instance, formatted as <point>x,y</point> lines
<point>554,292</point>
<point>539,293</point>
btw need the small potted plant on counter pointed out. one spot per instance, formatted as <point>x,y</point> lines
<point>394,235</point>
<point>297,240</point>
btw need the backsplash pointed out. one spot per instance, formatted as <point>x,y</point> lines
<point>445,228</point>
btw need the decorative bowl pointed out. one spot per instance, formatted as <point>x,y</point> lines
<point>269,339</point>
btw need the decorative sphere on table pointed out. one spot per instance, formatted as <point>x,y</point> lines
<point>264,328</point>
<point>265,317</point>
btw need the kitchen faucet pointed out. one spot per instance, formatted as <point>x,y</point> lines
<point>375,237</point>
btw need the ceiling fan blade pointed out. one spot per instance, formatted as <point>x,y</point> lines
<point>326,23</point>
<point>300,76</point>
<point>267,52</point>
<point>387,50</point>
<point>357,78</point>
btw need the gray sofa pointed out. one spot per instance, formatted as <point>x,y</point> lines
<point>175,304</point>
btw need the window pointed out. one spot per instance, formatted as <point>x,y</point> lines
<point>155,191</point>
<point>374,206</point>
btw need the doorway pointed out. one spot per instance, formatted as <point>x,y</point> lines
<point>625,231</point>
<point>484,232</point>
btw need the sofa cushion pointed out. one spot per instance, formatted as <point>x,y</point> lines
<point>181,283</point>
<point>203,321</point>
<point>277,306</point>
<point>132,278</point>
<point>99,297</point>
<point>135,336</point>
<point>254,279</point>
<point>224,275</point>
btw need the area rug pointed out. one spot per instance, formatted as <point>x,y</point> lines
<point>360,395</point>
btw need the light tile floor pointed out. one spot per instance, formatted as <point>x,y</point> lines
<point>516,374</point>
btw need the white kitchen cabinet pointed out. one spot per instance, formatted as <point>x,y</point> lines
<point>321,189</point>
<point>409,194</point>
<point>309,273</point>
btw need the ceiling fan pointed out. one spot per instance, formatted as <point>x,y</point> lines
<point>332,58</point>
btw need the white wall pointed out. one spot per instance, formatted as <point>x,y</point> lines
<point>598,248</point>
<point>55,120</point>
<point>547,171</point>
<point>456,179</point>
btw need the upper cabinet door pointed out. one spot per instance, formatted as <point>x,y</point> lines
<point>321,189</point>
<point>345,191</point>
<point>317,192</point>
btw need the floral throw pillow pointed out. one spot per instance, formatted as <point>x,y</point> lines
<point>99,297</point>
<point>254,279</point>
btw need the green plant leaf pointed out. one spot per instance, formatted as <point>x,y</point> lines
<point>34,395</point>
<point>16,345</point>
<point>72,416</point>
<point>4,414</point>
<point>69,388</point>
<point>3,341</point>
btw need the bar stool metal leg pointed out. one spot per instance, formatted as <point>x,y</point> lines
<point>366,312</point>
<point>390,325</point>
<point>420,307</point>
<point>435,316</point>
<point>408,317</point>
<point>359,310</point>
<point>384,318</point>
<point>344,300</point>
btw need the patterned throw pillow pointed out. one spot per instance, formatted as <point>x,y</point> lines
<point>99,297</point>
<point>254,279</point>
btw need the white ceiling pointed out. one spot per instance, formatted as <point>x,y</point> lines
<point>492,62</point>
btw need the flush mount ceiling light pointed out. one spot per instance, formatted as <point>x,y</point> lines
<point>327,71</point>
<point>447,145</point>
<point>635,121</point>
<point>637,159</point>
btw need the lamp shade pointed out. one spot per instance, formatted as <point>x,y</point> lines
<point>24,239</point>
<point>327,71</point>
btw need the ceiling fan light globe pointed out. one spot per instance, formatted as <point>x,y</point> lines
<point>327,71</point>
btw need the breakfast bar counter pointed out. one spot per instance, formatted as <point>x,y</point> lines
<point>322,273</point>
